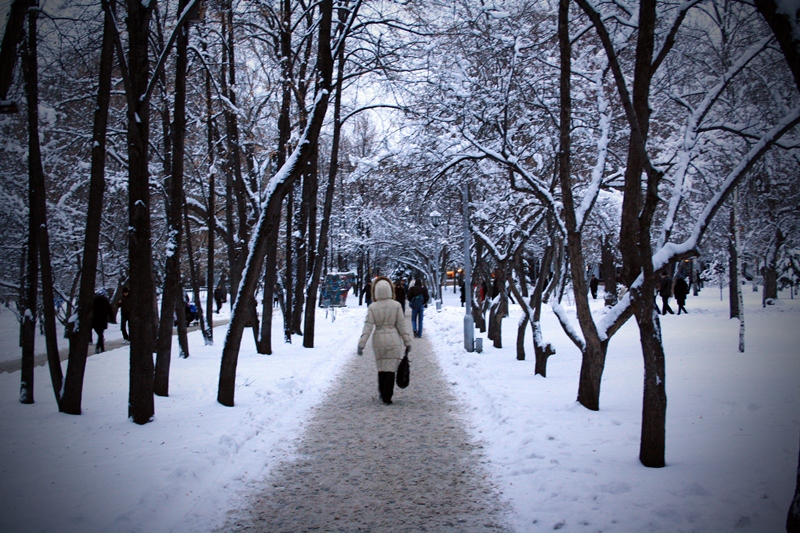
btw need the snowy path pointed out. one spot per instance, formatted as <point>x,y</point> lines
<point>365,466</point>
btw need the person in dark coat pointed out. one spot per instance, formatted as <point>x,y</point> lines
<point>220,296</point>
<point>418,299</point>
<point>681,291</point>
<point>125,312</point>
<point>400,294</point>
<point>368,292</point>
<point>463,290</point>
<point>101,316</point>
<point>665,291</point>
<point>593,286</point>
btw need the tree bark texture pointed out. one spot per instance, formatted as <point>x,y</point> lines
<point>81,336</point>
<point>14,31</point>
<point>733,271</point>
<point>141,407</point>
<point>327,209</point>
<point>172,296</point>
<point>266,224</point>
<point>38,197</point>
<point>793,519</point>
<point>284,135</point>
<point>654,408</point>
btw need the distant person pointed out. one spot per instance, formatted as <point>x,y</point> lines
<point>101,316</point>
<point>220,296</point>
<point>463,290</point>
<point>368,292</point>
<point>400,294</point>
<point>390,340</point>
<point>593,283</point>
<point>125,313</point>
<point>665,291</point>
<point>681,291</point>
<point>417,300</point>
<point>190,310</point>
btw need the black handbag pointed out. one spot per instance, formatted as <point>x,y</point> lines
<point>403,373</point>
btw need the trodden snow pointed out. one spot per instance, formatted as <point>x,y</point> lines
<point>733,427</point>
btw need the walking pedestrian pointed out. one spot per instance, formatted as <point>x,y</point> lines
<point>593,286</point>
<point>124,304</point>
<point>390,340</point>
<point>400,294</point>
<point>220,296</point>
<point>665,291</point>
<point>368,292</point>
<point>417,300</point>
<point>101,316</point>
<point>681,291</point>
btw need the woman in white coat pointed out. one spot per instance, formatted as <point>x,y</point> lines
<point>391,339</point>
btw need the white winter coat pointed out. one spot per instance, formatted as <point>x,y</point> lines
<point>385,316</point>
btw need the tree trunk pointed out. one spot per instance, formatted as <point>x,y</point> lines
<point>322,248</point>
<point>793,519</point>
<point>194,279</point>
<point>770,291</point>
<point>733,270</point>
<point>141,407</point>
<point>542,351</point>
<point>303,153</point>
<point>264,345</point>
<point>523,325</point>
<point>289,262</point>
<point>80,338</point>
<point>654,408</point>
<point>32,272</point>
<point>36,176</point>
<point>211,215</point>
<point>739,295</point>
<point>172,297</point>
<point>14,31</point>
<point>609,269</point>
<point>237,248</point>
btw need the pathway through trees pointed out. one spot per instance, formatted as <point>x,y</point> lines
<point>365,466</point>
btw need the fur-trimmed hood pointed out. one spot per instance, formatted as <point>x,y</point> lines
<point>382,289</point>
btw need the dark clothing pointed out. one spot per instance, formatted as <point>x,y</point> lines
<point>220,297</point>
<point>400,295</point>
<point>125,313</point>
<point>368,293</point>
<point>101,316</point>
<point>417,312</point>
<point>665,291</point>
<point>386,386</point>
<point>593,283</point>
<point>418,289</point>
<point>463,293</point>
<point>681,292</point>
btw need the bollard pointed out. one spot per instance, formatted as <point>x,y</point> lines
<point>479,344</point>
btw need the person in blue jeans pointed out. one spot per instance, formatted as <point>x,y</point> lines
<point>417,300</point>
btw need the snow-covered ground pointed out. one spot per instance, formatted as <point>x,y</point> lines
<point>733,428</point>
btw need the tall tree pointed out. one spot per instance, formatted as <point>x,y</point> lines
<point>81,336</point>
<point>141,406</point>
<point>172,295</point>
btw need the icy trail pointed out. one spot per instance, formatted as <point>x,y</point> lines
<point>365,466</point>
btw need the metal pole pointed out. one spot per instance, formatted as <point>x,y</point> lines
<point>469,323</point>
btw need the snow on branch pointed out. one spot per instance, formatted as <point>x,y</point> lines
<point>670,251</point>
<point>590,196</point>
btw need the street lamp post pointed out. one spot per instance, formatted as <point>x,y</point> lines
<point>436,219</point>
<point>469,322</point>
